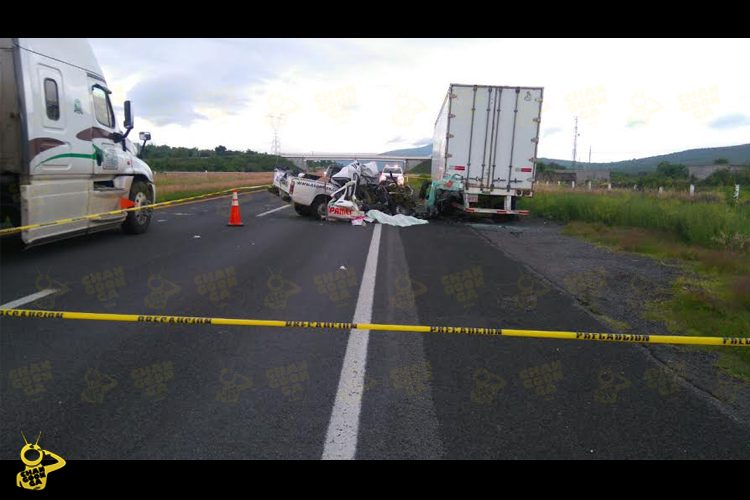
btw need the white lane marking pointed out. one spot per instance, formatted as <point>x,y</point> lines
<point>343,428</point>
<point>29,298</point>
<point>272,211</point>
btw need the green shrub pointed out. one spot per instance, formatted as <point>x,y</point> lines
<point>706,224</point>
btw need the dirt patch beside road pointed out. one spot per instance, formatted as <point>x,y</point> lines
<point>173,185</point>
<point>620,289</point>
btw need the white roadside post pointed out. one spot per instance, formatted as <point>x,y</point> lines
<point>661,190</point>
<point>692,189</point>
<point>573,184</point>
<point>609,186</point>
<point>588,185</point>
<point>736,193</point>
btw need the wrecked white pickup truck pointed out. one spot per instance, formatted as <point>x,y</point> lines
<point>349,193</point>
<point>312,196</point>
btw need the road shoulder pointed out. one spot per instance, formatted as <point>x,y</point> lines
<point>616,288</point>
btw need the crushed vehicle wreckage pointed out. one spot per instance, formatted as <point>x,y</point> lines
<point>350,193</point>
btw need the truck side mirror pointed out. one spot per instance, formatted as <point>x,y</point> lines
<point>128,117</point>
<point>128,124</point>
<point>145,137</point>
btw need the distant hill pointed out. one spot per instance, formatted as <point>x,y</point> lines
<point>737,155</point>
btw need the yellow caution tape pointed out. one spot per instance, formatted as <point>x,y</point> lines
<point>155,206</point>
<point>461,330</point>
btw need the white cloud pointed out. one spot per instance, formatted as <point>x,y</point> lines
<point>634,97</point>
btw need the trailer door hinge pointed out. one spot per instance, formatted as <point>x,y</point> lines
<point>536,120</point>
<point>451,115</point>
<point>454,96</point>
<point>451,136</point>
<point>448,155</point>
<point>535,140</point>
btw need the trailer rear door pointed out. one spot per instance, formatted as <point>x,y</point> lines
<point>492,136</point>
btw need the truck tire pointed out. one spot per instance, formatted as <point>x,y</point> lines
<point>302,209</point>
<point>319,207</point>
<point>137,221</point>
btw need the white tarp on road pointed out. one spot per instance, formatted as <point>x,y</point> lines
<point>399,220</point>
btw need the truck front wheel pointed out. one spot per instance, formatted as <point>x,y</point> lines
<point>319,207</point>
<point>137,221</point>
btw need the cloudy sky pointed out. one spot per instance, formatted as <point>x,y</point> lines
<point>633,98</point>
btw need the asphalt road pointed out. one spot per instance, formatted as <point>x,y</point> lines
<point>133,391</point>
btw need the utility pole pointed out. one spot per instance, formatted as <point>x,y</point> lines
<point>589,156</point>
<point>275,121</point>
<point>575,143</point>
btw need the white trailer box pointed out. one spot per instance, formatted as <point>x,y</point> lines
<point>486,141</point>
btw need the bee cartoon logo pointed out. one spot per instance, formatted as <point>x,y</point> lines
<point>34,475</point>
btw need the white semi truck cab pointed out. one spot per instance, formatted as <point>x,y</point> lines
<point>62,153</point>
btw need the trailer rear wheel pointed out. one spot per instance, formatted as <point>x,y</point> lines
<point>137,221</point>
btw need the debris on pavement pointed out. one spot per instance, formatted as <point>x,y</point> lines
<point>399,220</point>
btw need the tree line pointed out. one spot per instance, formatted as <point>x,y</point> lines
<point>165,158</point>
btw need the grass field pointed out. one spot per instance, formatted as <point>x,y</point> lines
<point>708,221</point>
<point>176,185</point>
<point>708,235</point>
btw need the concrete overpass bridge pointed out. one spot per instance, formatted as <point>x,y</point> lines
<point>408,162</point>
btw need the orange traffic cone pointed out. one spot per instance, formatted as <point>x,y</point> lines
<point>126,203</point>
<point>234,214</point>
